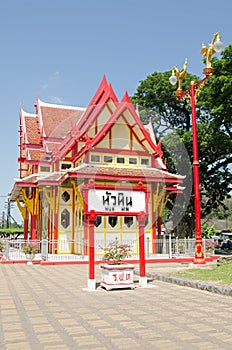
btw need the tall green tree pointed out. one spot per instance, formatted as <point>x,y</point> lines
<point>157,101</point>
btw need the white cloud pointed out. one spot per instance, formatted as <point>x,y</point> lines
<point>55,75</point>
<point>56,99</point>
<point>51,85</point>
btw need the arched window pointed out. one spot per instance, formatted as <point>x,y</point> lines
<point>128,221</point>
<point>113,220</point>
<point>65,218</point>
<point>98,221</point>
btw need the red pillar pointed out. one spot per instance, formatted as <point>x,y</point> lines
<point>85,234</point>
<point>85,190</point>
<point>91,283</point>
<point>49,226</point>
<point>143,278</point>
<point>91,250</point>
<point>55,232</point>
<point>25,228</point>
<point>153,222</point>
<point>159,225</point>
<point>55,223</point>
<point>33,227</point>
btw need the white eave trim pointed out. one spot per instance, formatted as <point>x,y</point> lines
<point>52,105</point>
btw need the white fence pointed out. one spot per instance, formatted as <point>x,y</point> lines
<point>165,247</point>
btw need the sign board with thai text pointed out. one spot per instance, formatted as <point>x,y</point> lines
<point>123,201</point>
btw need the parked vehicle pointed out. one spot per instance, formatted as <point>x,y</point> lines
<point>223,243</point>
<point>217,241</point>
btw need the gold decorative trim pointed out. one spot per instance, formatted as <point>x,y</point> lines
<point>22,209</point>
<point>49,199</point>
<point>78,193</point>
<point>163,205</point>
<point>31,203</point>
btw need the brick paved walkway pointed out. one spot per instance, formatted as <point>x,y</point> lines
<point>46,307</point>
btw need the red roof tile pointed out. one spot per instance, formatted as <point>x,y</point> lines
<point>147,174</point>
<point>57,122</point>
<point>32,129</point>
<point>35,154</point>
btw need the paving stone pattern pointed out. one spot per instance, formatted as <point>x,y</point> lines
<point>48,307</point>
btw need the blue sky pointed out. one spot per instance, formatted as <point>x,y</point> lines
<point>60,50</point>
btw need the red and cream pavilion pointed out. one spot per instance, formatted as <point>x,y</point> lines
<point>90,170</point>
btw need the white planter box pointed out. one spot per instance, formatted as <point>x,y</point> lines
<point>30,257</point>
<point>117,276</point>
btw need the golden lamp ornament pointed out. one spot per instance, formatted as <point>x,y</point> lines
<point>177,76</point>
<point>215,46</point>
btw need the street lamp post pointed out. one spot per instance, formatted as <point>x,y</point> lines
<point>178,76</point>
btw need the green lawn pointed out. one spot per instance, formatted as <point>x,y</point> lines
<point>219,274</point>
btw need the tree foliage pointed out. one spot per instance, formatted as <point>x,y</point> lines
<point>156,94</point>
<point>157,100</point>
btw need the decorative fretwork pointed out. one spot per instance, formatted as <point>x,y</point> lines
<point>49,198</point>
<point>163,205</point>
<point>22,209</point>
<point>57,199</point>
<point>78,193</point>
<point>31,203</point>
<point>158,197</point>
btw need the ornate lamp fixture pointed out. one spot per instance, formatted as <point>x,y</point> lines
<point>215,46</point>
<point>177,76</point>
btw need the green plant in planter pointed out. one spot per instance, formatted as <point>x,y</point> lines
<point>115,252</point>
<point>30,248</point>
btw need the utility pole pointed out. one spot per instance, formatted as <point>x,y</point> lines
<point>3,219</point>
<point>8,214</point>
<point>8,206</point>
<point>3,215</point>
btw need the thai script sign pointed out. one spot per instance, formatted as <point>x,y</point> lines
<point>116,201</point>
<point>122,277</point>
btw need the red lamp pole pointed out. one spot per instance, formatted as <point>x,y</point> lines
<point>215,46</point>
<point>199,252</point>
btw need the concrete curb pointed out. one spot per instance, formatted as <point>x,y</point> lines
<point>207,286</point>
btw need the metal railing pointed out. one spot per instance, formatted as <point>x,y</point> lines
<point>164,247</point>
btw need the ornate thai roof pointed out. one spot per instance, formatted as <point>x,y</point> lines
<point>100,172</point>
<point>116,172</point>
<point>40,133</point>
<point>57,120</point>
<point>53,130</point>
